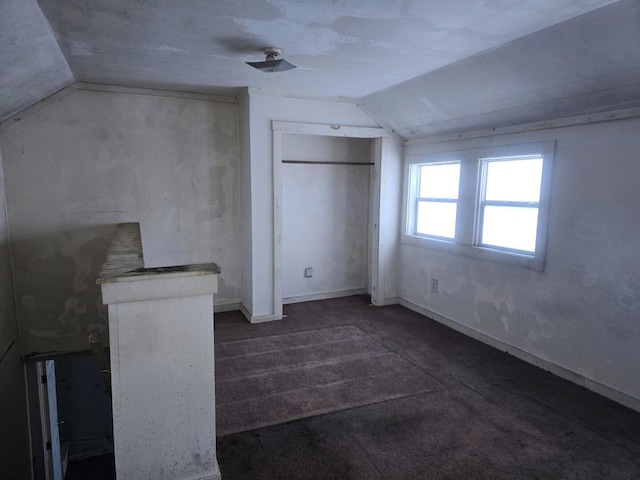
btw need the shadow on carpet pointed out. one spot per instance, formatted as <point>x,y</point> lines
<point>275,379</point>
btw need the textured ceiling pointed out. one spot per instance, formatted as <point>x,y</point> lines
<point>32,66</point>
<point>344,48</point>
<point>421,66</point>
<point>585,65</point>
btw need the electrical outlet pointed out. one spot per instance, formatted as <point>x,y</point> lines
<point>308,272</point>
<point>434,285</point>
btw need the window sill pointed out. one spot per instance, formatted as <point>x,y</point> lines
<point>482,253</point>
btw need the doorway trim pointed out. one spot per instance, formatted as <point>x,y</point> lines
<point>329,130</point>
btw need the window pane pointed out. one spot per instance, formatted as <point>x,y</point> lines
<point>514,180</point>
<point>510,227</point>
<point>440,181</point>
<point>437,218</point>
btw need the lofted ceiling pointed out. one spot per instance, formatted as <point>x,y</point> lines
<point>31,63</point>
<point>421,67</point>
<point>584,65</point>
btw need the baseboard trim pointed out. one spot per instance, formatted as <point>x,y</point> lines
<point>562,372</point>
<point>226,307</point>
<point>323,296</point>
<point>387,301</point>
<point>269,317</point>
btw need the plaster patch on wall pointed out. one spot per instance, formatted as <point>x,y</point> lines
<point>218,175</point>
<point>94,159</point>
<point>499,295</point>
<point>451,279</point>
<point>207,215</point>
<point>29,302</point>
<point>532,336</point>
<point>460,290</point>
<point>225,140</point>
<point>55,277</point>
<point>80,49</point>
<point>540,329</point>
<point>581,312</point>
<point>67,323</point>
<point>494,318</point>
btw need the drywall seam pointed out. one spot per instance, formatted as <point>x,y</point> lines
<point>530,127</point>
<point>558,370</point>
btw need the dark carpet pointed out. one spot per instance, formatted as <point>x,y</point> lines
<point>482,414</point>
<point>494,416</point>
<point>278,378</point>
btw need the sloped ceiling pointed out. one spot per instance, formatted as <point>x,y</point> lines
<point>347,48</point>
<point>418,65</point>
<point>32,66</point>
<point>585,65</point>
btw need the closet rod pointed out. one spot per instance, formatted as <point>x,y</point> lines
<point>318,162</point>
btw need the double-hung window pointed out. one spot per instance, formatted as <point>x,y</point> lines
<point>437,200</point>
<point>510,203</point>
<point>485,203</point>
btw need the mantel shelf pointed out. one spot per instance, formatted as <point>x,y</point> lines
<point>125,261</point>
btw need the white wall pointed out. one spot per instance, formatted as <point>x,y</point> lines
<point>263,110</point>
<point>582,312</point>
<point>95,158</point>
<point>246,290</point>
<point>14,441</point>
<point>387,210</point>
<point>322,148</point>
<point>325,215</point>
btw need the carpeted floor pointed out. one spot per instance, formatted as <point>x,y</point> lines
<point>478,414</point>
<point>278,378</point>
<point>492,416</point>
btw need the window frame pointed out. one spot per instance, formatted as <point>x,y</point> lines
<point>483,202</point>
<point>469,208</point>
<point>419,199</point>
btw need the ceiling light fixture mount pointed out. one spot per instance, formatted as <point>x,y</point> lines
<point>272,64</point>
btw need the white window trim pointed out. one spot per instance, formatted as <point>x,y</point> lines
<point>466,242</point>
<point>416,177</point>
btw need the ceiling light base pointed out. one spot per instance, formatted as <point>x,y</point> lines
<point>271,64</point>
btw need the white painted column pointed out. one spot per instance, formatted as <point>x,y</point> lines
<point>386,219</point>
<point>162,369</point>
